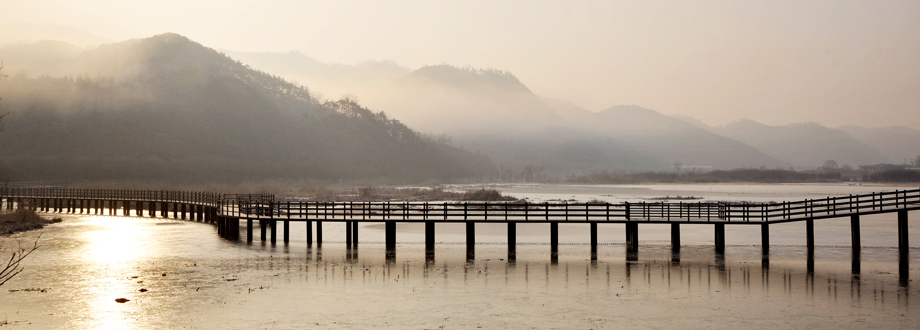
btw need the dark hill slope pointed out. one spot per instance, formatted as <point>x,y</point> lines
<point>167,108</point>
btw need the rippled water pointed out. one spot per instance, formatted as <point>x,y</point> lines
<point>194,279</point>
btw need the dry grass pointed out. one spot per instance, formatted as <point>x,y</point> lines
<point>22,220</point>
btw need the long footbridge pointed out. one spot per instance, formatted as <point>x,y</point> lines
<point>228,212</point>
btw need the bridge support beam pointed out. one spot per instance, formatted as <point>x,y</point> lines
<point>429,241</point>
<point>354,238</point>
<point>390,227</point>
<point>319,233</point>
<point>765,240</point>
<point>903,248</point>
<point>249,230</point>
<point>810,237</point>
<point>287,231</point>
<point>348,235</point>
<point>263,227</point>
<point>175,209</point>
<point>632,241</point>
<point>675,238</point>
<point>720,238</point>
<point>274,225</point>
<point>470,241</point>
<point>854,233</point>
<point>512,241</point>
<point>593,230</point>
<point>184,210</point>
<point>309,232</point>
<point>554,241</point>
<point>164,210</point>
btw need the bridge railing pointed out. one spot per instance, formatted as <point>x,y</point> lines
<point>820,208</point>
<point>191,197</point>
<point>477,211</point>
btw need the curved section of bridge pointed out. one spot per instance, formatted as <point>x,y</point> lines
<point>228,211</point>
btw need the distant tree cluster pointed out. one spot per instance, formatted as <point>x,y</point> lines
<point>719,176</point>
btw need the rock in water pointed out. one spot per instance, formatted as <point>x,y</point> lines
<point>122,300</point>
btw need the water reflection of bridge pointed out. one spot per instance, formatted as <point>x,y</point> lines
<point>227,211</point>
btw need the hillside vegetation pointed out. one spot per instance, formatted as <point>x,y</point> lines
<point>167,108</point>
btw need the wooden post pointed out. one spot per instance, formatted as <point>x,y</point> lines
<point>348,235</point>
<point>249,230</point>
<point>593,230</point>
<point>287,231</point>
<point>309,232</point>
<point>810,236</point>
<point>354,237</point>
<point>175,210</point>
<point>632,241</point>
<point>164,210</point>
<point>184,210</point>
<point>274,227</point>
<point>512,241</point>
<point>263,228</point>
<point>903,244</point>
<point>675,238</point>
<point>152,210</point>
<point>720,238</point>
<point>319,233</point>
<point>429,241</point>
<point>765,239</point>
<point>390,227</point>
<point>470,240</point>
<point>854,233</point>
<point>554,241</point>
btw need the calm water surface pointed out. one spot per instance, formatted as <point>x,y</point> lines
<point>194,279</point>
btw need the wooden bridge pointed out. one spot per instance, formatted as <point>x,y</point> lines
<point>228,211</point>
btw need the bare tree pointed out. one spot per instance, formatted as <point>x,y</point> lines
<point>13,267</point>
<point>2,114</point>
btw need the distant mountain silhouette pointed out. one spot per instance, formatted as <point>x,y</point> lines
<point>167,108</point>
<point>805,145</point>
<point>897,143</point>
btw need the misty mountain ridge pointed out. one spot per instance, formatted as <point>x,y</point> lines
<point>172,109</point>
<point>804,145</point>
<point>898,143</point>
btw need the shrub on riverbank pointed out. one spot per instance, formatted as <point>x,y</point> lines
<point>22,220</point>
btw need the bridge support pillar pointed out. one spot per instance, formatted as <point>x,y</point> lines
<point>319,233</point>
<point>220,227</point>
<point>235,228</point>
<point>554,242</point>
<point>249,230</point>
<point>309,232</point>
<point>390,227</point>
<point>720,238</point>
<point>810,237</point>
<point>854,233</point>
<point>354,237</point>
<point>274,225</point>
<point>512,242</point>
<point>184,210</point>
<point>470,241</point>
<point>429,241</point>
<point>675,238</point>
<point>765,240</point>
<point>139,208</point>
<point>164,211</point>
<point>152,209</point>
<point>593,233</point>
<point>632,241</point>
<point>263,226</point>
<point>903,249</point>
<point>348,235</point>
<point>200,210</point>
<point>287,231</point>
<point>175,209</point>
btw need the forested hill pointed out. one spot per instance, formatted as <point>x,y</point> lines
<point>167,108</point>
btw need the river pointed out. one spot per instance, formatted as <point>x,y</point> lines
<point>194,279</point>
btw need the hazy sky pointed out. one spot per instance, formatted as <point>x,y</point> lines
<point>836,62</point>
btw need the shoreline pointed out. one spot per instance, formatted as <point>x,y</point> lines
<point>21,221</point>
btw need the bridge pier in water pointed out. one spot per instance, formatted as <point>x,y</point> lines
<point>309,233</point>
<point>765,242</point>
<point>675,242</point>
<point>903,248</point>
<point>720,238</point>
<point>390,229</point>
<point>429,241</point>
<point>810,237</point>
<point>263,227</point>
<point>593,233</point>
<point>554,242</point>
<point>249,230</point>
<point>470,241</point>
<point>632,241</point>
